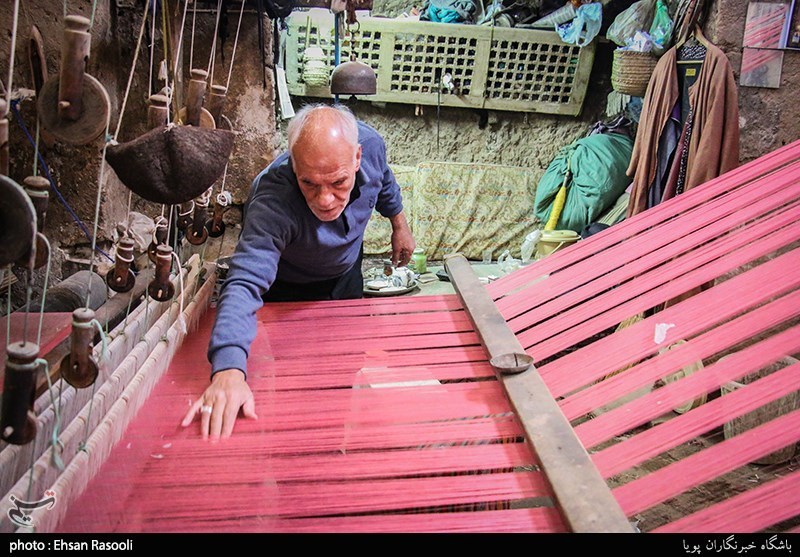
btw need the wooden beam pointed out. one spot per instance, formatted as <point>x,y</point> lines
<point>582,495</point>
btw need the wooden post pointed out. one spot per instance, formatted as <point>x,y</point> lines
<point>157,111</point>
<point>18,422</point>
<point>216,101</point>
<point>74,56</point>
<point>38,189</point>
<point>194,96</point>
<point>121,278</point>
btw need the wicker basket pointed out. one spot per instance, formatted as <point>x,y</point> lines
<point>631,71</point>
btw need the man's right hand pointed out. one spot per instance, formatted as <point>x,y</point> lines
<point>219,406</point>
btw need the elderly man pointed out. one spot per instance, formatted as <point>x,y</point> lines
<point>302,239</point>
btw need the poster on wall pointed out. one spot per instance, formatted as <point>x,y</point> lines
<point>762,55</point>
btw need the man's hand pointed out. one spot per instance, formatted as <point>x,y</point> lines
<point>220,404</point>
<point>403,243</point>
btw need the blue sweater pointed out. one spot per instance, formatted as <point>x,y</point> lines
<point>282,238</point>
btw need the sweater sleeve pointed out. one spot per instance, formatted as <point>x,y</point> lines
<point>390,201</point>
<point>267,229</point>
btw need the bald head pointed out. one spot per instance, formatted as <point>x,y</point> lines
<point>321,125</point>
<point>325,156</point>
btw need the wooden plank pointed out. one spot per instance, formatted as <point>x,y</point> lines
<point>582,496</point>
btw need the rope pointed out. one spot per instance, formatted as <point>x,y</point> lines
<point>57,411</point>
<point>212,56</point>
<point>97,208</point>
<point>235,42</point>
<point>191,44</point>
<point>11,57</point>
<point>44,291</point>
<point>46,169</point>
<point>152,50</point>
<point>181,321</point>
<point>178,53</point>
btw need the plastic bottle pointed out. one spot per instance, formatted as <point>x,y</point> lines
<point>529,245</point>
<point>419,261</point>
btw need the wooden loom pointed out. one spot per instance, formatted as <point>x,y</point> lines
<point>419,414</point>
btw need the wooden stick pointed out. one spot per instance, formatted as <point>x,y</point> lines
<point>583,497</point>
<point>74,54</point>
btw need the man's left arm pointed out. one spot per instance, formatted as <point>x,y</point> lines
<point>390,205</point>
<point>403,243</point>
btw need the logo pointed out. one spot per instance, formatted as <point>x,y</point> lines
<point>21,514</point>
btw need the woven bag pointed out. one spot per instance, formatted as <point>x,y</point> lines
<point>631,71</point>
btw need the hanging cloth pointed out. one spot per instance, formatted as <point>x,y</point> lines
<point>713,145</point>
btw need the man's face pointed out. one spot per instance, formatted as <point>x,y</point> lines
<point>326,175</point>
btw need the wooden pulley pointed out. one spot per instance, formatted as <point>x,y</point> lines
<point>121,278</point>
<point>185,219</point>
<point>161,288</point>
<point>74,107</point>
<point>78,368</point>
<point>216,102</point>
<point>215,225</point>
<point>194,97</point>
<point>197,233</point>
<point>157,111</point>
<point>18,420</point>
<point>159,238</point>
<point>38,189</point>
<point>17,222</point>
<point>172,164</point>
<point>37,60</point>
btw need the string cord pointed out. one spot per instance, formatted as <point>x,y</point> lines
<point>11,56</point>
<point>44,291</point>
<point>212,56</point>
<point>97,207</point>
<point>46,169</point>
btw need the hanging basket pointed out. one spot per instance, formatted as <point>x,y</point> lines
<point>631,71</point>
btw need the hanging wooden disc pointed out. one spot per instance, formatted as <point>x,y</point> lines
<point>18,218</point>
<point>94,115</point>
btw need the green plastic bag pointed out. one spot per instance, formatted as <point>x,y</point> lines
<point>661,30</point>
<point>598,165</point>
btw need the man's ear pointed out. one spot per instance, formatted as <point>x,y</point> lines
<point>358,158</point>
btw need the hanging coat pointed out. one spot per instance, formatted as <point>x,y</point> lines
<point>714,143</point>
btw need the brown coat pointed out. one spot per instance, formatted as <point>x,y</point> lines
<point>714,144</point>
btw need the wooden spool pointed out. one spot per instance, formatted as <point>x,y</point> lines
<point>74,107</point>
<point>78,368</point>
<point>157,111</point>
<point>194,97</point>
<point>38,189</point>
<point>215,225</point>
<point>159,238</point>
<point>18,422</point>
<point>197,233</point>
<point>121,277</point>
<point>216,101</point>
<point>185,211</point>
<point>160,288</point>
